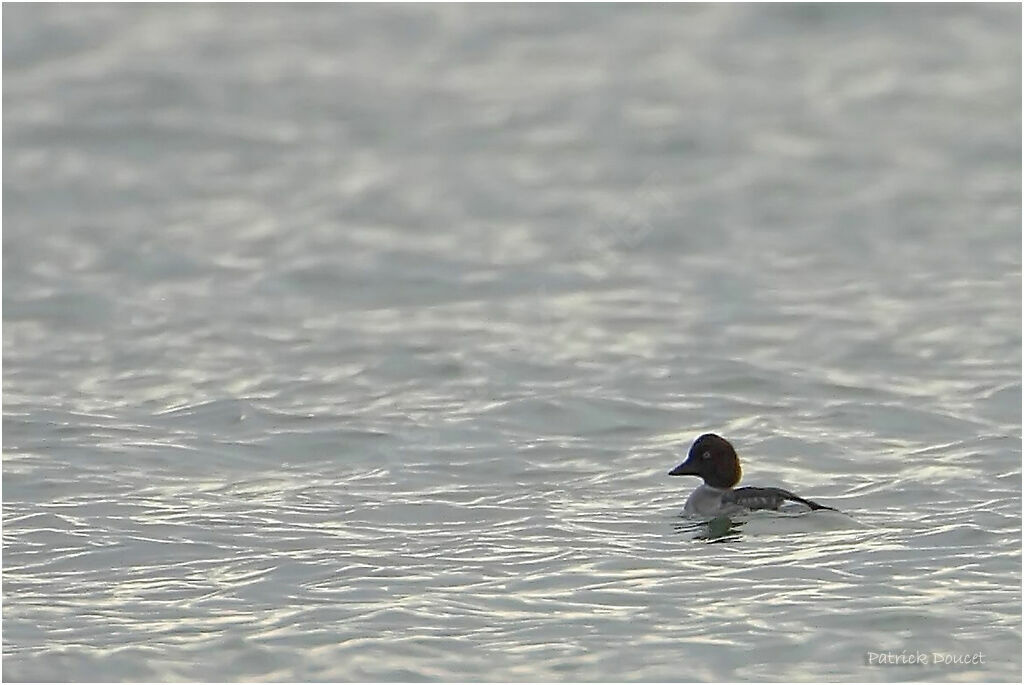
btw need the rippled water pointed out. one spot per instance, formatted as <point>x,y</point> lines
<point>356,342</point>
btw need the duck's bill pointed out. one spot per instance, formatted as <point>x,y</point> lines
<point>683,469</point>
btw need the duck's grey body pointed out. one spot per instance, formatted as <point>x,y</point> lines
<point>714,460</point>
<point>710,501</point>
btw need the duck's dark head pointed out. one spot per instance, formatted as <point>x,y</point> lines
<point>712,458</point>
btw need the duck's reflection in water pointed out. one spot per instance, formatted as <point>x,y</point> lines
<point>718,529</point>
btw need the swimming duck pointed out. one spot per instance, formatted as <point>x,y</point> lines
<point>714,459</point>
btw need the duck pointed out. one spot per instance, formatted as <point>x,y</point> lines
<point>714,460</point>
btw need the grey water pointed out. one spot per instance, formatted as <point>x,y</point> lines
<point>349,342</point>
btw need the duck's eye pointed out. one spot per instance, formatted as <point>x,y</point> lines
<point>706,455</point>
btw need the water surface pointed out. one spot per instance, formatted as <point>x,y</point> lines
<point>355,343</point>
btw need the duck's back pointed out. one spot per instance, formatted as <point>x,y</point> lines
<point>766,498</point>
